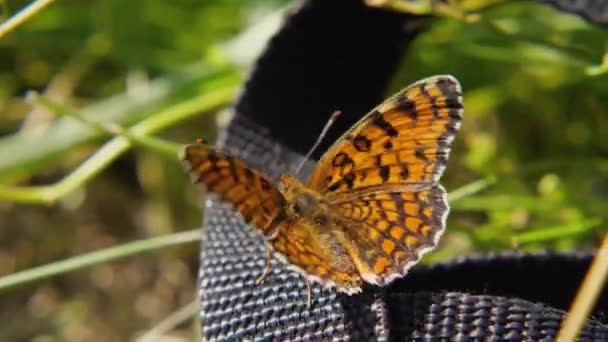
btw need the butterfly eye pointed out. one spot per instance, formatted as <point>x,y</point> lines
<point>297,210</point>
<point>302,204</point>
<point>321,220</point>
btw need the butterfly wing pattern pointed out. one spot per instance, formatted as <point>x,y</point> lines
<point>317,254</point>
<point>373,205</point>
<point>253,194</point>
<point>260,203</point>
<point>405,140</point>
<point>382,177</point>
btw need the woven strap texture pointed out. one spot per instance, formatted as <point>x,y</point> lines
<point>332,55</point>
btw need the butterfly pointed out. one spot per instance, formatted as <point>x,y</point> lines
<point>373,205</point>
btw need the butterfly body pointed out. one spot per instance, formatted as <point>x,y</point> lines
<point>313,224</point>
<point>373,205</point>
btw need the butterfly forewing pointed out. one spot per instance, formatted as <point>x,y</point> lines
<point>405,140</point>
<point>253,194</point>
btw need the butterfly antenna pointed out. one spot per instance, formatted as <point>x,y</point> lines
<point>330,122</point>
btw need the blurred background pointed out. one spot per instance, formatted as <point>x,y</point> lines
<point>529,169</point>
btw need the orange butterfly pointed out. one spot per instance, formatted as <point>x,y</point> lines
<point>373,205</point>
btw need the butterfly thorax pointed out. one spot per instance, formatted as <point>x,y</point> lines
<point>319,229</point>
<point>303,202</point>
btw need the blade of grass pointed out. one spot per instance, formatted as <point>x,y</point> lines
<point>470,189</point>
<point>62,136</point>
<point>420,7</point>
<point>451,10</point>
<point>554,233</point>
<point>162,147</point>
<point>597,70</point>
<point>63,84</point>
<point>24,14</point>
<point>98,257</point>
<point>586,295</point>
<point>115,147</point>
<point>31,151</point>
<point>502,202</point>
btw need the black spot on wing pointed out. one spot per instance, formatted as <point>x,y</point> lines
<point>448,87</point>
<point>408,107</point>
<point>378,120</point>
<point>384,172</point>
<point>396,197</point>
<point>404,171</point>
<point>341,160</point>
<point>349,179</point>
<point>432,100</point>
<point>361,143</point>
<point>453,103</point>
<point>419,153</point>
<point>334,187</point>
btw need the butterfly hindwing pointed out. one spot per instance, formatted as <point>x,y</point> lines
<point>316,254</point>
<point>392,230</point>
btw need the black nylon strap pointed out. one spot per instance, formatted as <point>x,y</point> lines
<point>329,55</point>
<point>502,297</point>
<point>332,55</point>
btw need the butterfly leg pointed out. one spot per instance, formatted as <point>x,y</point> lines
<point>309,291</point>
<point>267,269</point>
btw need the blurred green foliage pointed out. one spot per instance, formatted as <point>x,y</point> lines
<point>535,112</point>
<point>116,61</point>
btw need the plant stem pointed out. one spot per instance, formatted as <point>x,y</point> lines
<point>470,189</point>
<point>23,15</point>
<point>586,295</point>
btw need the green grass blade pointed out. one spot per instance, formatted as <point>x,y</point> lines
<point>470,189</point>
<point>94,258</point>
<point>115,147</point>
<point>554,233</point>
<point>32,152</point>
<point>160,146</point>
